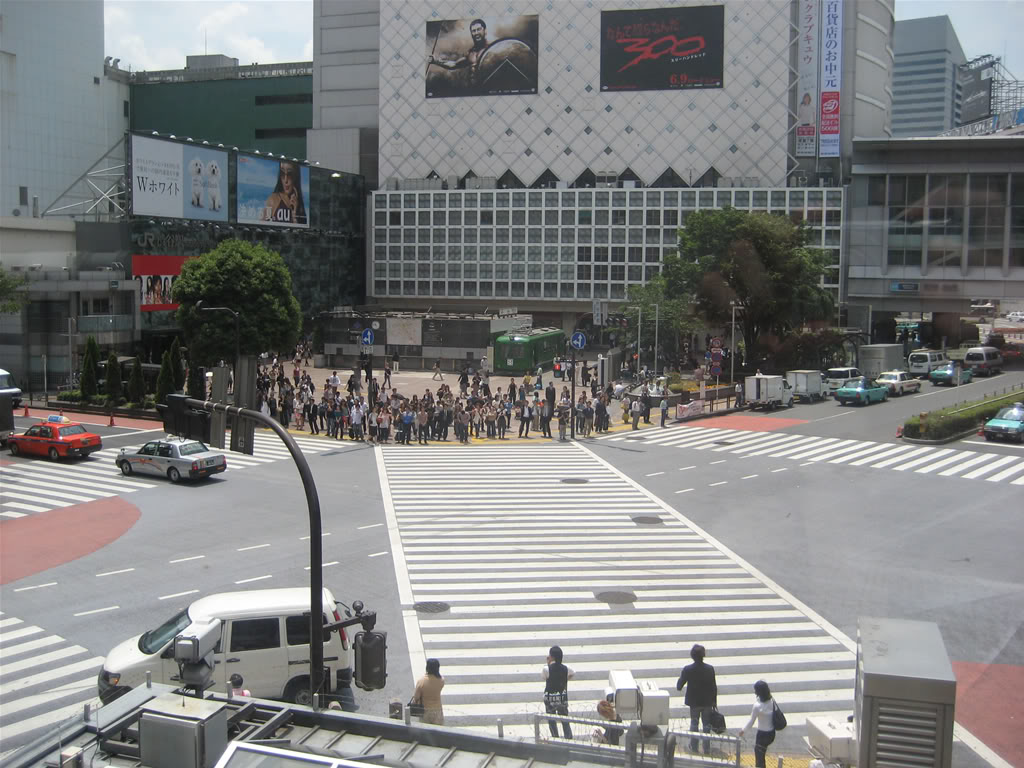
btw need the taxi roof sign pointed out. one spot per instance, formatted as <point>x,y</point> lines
<point>54,418</point>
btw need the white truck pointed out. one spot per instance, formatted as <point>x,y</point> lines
<point>807,385</point>
<point>767,392</point>
<point>876,358</point>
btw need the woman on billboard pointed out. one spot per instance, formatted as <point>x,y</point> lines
<point>285,204</point>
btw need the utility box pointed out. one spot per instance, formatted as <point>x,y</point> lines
<point>905,695</point>
<point>183,732</point>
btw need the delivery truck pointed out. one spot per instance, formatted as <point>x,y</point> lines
<point>767,392</point>
<point>875,358</point>
<point>807,385</point>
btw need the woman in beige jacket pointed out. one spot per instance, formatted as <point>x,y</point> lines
<point>428,694</point>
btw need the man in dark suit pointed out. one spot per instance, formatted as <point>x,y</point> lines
<point>701,693</point>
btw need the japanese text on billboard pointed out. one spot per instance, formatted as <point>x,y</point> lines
<point>178,180</point>
<point>831,76</point>
<point>807,78</point>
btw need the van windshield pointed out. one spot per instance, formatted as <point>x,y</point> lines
<point>838,373</point>
<point>6,381</point>
<point>154,640</point>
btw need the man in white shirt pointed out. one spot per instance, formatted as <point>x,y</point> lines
<point>333,380</point>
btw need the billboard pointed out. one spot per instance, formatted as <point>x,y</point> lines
<point>179,181</point>
<point>158,274</point>
<point>489,56</point>
<point>831,76</point>
<point>272,192</point>
<point>662,49</point>
<point>975,94</point>
<point>807,79</point>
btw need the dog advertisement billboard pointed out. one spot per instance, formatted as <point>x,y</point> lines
<point>272,192</point>
<point>662,49</point>
<point>179,181</point>
<point>157,274</point>
<point>490,56</point>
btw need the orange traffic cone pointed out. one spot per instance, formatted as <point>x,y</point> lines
<point>25,414</point>
<point>111,424</point>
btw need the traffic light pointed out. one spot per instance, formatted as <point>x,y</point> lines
<point>371,660</point>
<point>183,421</point>
<point>558,370</point>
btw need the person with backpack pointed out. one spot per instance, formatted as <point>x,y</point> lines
<point>701,693</point>
<point>767,722</point>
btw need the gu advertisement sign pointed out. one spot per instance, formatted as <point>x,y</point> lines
<point>831,76</point>
<point>807,79</point>
<point>178,181</point>
<point>158,273</point>
<point>272,192</point>
<point>482,56</point>
<point>662,49</point>
<point>976,94</point>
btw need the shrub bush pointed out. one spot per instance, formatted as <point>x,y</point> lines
<point>953,421</point>
<point>70,396</point>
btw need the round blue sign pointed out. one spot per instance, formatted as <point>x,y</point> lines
<point>579,340</point>
<point>368,337</point>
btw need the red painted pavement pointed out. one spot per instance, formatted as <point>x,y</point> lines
<point>990,704</point>
<point>94,419</point>
<point>32,544</point>
<point>751,423</point>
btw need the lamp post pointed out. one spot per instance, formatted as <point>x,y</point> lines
<point>732,345</point>
<point>656,311</point>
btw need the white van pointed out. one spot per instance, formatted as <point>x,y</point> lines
<point>921,362</point>
<point>836,377</point>
<point>983,361</point>
<point>264,638</point>
<point>7,388</point>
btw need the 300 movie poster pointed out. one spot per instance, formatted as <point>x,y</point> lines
<point>662,49</point>
<point>272,192</point>
<point>482,57</point>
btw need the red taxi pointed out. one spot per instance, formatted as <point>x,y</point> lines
<point>58,437</point>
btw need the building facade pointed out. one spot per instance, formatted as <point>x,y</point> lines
<point>926,87</point>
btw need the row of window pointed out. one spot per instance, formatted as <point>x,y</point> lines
<point>571,217</point>
<point>706,198</point>
<point>633,273</point>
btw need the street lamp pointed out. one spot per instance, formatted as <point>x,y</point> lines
<point>732,346</point>
<point>238,336</point>
<point>656,310</point>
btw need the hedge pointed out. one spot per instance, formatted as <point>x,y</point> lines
<point>957,419</point>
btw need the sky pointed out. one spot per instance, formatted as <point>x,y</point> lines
<point>158,34</point>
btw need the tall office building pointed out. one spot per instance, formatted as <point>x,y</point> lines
<point>926,90</point>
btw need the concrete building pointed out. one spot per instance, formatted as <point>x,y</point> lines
<point>925,83</point>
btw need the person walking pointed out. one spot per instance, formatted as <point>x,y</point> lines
<point>664,409</point>
<point>701,693</point>
<point>428,694</point>
<point>438,376</point>
<point>635,410</point>
<point>762,711</point>
<point>556,690</point>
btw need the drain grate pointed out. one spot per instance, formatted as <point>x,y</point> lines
<point>648,520</point>
<point>431,607</point>
<point>575,480</point>
<point>615,597</point>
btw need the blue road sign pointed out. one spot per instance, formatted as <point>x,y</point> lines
<point>579,340</point>
<point>716,370</point>
<point>368,337</point>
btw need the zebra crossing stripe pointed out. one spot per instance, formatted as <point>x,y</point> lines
<point>957,456</point>
<point>1006,473</point>
<point>918,462</point>
<point>988,468</point>
<point>964,465</point>
<point>797,441</point>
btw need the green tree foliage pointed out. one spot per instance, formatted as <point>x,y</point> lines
<point>90,360</point>
<point>137,384</point>
<point>759,260</point>
<point>165,381</point>
<point>112,385</point>
<point>12,297</point>
<point>177,366</point>
<point>244,277</point>
<point>674,315</point>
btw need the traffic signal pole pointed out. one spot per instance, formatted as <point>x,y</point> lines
<point>572,397</point>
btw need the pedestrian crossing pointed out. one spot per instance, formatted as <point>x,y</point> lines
<point>44,681</point>
<point>39,485</point>
<point>898,457</point>
<point>521,548</point>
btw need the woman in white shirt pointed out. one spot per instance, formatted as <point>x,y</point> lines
<point>762,713</point>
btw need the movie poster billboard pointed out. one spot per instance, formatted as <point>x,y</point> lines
<point>180,181</point>
<point>662,49</point>
<point>272,192</point>
<point>807,79</point>
<point>831,76</point>
<point>975,94</point>
<point>488,56</point>
<point>157,274</point>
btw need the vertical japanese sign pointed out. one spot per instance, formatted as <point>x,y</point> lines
<point>831,76</point>
<point>807,79</point>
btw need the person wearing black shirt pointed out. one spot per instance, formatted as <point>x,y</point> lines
<point>701,693</point>
<point>556,690</point>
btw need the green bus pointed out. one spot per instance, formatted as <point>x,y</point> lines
<point>527,350</point>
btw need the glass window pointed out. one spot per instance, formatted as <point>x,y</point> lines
<point>486,289</point>
<point>519,217</point>
<point>652,254</point>
<point>653,235</point>
<point>518,271</point>
<point>501,271</point>
<point>636,217</point>
<point>379,201</point>
<point>518,199</point>
<point>501,199</point>
<point>471,198</point>
<point>469,289</point>
<point>470,219</point>
<point>550,253</point>
<point>534,235</point>
<point>707,199</point>
<point>455,252</point>
<point>486,271</point>
<point>486,235</point>
<point>256,634</point>
<point>422,287</point>
<point>760,199</point>
<point>469,270</point>
<point>653,218</point>
<point>585,199</point>
<point>423,270</point>
<point>439,201</point>
<point>619,199</point>
<point>455,218</point>
<point>636,235</point>
<point>569,234</point>
<point>778,199</point>
<point>394,201</point>
<point>380,218</point>
<point>583,272</point>
<point>582,291</point>
<point>723,198</point>
<point>568,199</point>
<point>533,290</point>
<point>601,218</point>
<point>653,198</point>
<point>550,271</point>
<point>601,199</point>
<point>796,199</point>
<point>487,217</point>
<point>518,289</point>
<point>501,253</point>
<point>486,199</point>
<point>635,273</point>
<point>533,252</point>
<point>550,217</point>
<point>519,235</point>
<point>533,271</point>
<point>409,201</point>
<point>584,218</point>
<point>568,216</point>
<point>619,217</point>
<point>438,270</point>
<point>636,199</point>
<point>550,199</point>
<point>439,218</point>
<point>424,201</point>
<point>601,271</point>
<point>455,200</point>
<point>567,290</point>
<point>815,198</point>
<point>601,235</point>
<point>618,272</point>
<point>536,199</point>
<point>518,252</point>
<point>833,198</point>
<point>618,235</point>
<point>688,199</point>
<point>536,217</point>
<point>618,254</point>
<point>501,218</point>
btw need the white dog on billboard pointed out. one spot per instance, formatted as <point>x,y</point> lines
<point>213,184</point>
<point>195,168</point>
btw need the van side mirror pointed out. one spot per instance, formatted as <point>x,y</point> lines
<point>168,651</point>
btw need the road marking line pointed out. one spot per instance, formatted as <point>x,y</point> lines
<point>748,477</point>
<point>179,594</point>
<point>306,538</point>
<point>685,490</point>
<point>836,416</point>
<point>783,469</point>
<point>807,463</point>
<point>722,482</point>
<point>692,466</point>
<point>254,578</point>
<point>653,474</point>
<point>254,546</point>
<point>324,565</point>
<point>364,527</point>
<point>720,461</point>
<point>186,559</point>
<point>113,573</point>
<point>37,586</point>
<point>377,554</point>
<point>993,444</point>
<point>97,610</point>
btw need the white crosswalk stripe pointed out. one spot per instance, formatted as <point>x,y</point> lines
<point>513,574</point>
<point>39,485</point>
<point>898,457</point>
<point>43,681</point>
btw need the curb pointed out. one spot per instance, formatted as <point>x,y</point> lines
<point>943,441</point>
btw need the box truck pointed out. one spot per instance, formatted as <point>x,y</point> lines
<point>768,392</point>
<point>807,385</point>
<point>875,358</point>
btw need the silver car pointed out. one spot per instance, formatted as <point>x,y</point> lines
<point>174,459</point>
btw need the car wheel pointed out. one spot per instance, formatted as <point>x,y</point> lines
<point>173,474</point>
<point>297,692</point>
<point>54,454</point>
<point>15,450</point>
<point>126,468</point>
<point>988,437</point>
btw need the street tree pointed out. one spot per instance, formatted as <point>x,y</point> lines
<point>90,360</point>
<point>137,384</point>
<point>165,381</point>
<point>12,297</point>
<point>761,261</point>
<point>112,385</point>
<point>674,317</point>
<point>177,366</point>
<point>248,279</point>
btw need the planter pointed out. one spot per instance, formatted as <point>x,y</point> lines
<point>129,413</point>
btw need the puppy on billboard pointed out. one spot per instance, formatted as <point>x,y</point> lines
<point>482,57</point>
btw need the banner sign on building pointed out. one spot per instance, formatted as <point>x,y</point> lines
<point>179,181</point>
<point>975,94</point>
<point>482,56</point>
<point>831,76</point>
<point>272,192</point>
<point>158,274</point>
<point>807,79</point>
<point>662,49</point>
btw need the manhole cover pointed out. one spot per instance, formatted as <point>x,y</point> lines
<point>431,607</point>
<point>616,597</point>
<point>647,520</point>
<point>723,442</point>
<point>575,480</point>
<point>636,437</point>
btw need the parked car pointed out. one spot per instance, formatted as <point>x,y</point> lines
<point>862,391</point>
<point>951,374</point>
<point>58,437</point>
<point>983,361</point>
<point>1016,317</point>
<point>173,459</point>
<point>922,362</point>
<point>899,382</point>
<point>1008,424</point>
<point>836,377</point>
